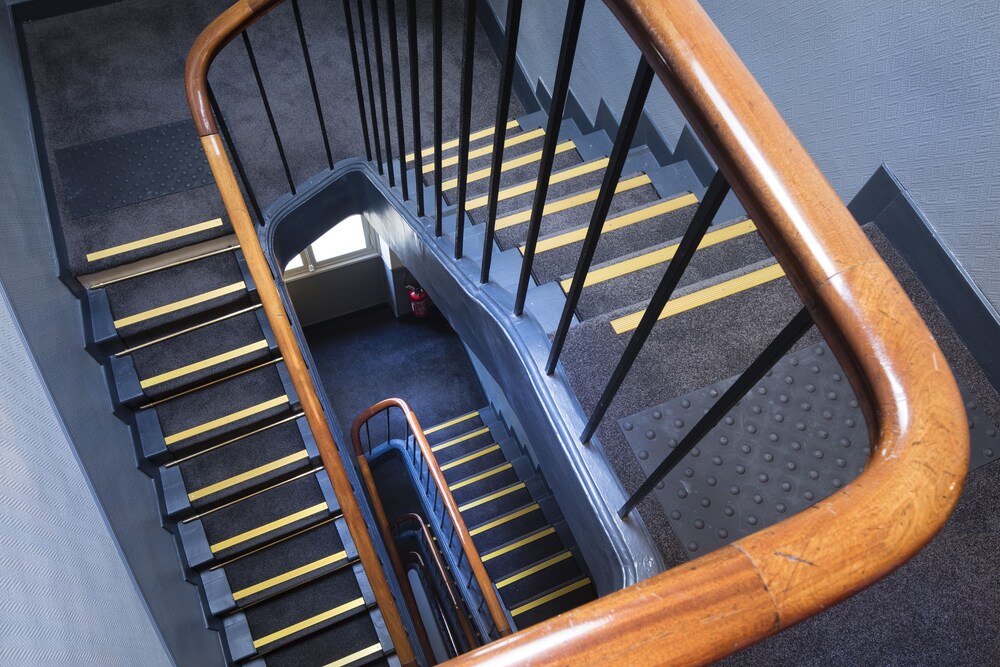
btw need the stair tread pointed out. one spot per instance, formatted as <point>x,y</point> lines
<point>331,645</point>
<point>474,485</point>
<point>520,586</point>
<point>462,445</point>
<point>524,550</point>
<point>470,464</point>
<point>561,598</point>
<point>518,169</point>
<point>507,527</point>
<point>450,428</point>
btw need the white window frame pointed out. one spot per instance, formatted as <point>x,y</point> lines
<point>311,266</point>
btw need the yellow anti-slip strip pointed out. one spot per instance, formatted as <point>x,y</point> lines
<point>577,235</point>
<point>478,478</point>
<point>487,149</point>
<point>453,143</point>
<point>451,422</point>
<point>357,655</point>
<point>493,496</point>
<point>479,530</point>
<point>248,475</point>
<point>205,363</point>
<point>554,595</point>
<point>179,305</point>
<point>268,527</point>
<point>470,457</point>
<point>513,163</point>
<point>520,543</point>
<point>524,188</point>
<point>288,576</point>
<point>227,419</point>
<point>153,240</point>
<point>571,202</point>
<point>701,297</point>
<point>462,438</point>
<point>649,259</point>
<point>308,623</point>
<point>534,570</point>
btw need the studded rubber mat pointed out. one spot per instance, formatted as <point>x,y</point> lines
<point>130,168</point>
<point>796,438</point>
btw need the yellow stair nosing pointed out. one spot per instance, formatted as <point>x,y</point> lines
<point>288,576</point>
<point>481,476</point>
<point>523,574</point>
<point>506,518</point>
<point>512,163</point>
<point>357,655</point>
<point>268,527</point>
<point>513,546</point>
<point>154,240</point>
<point>554,595</point>
<point>248,475</point>
<point>488,148</point>
<point>451,422</point>
<point>225,419</point>
<point>704,296</point>
<point>179,305</point>
<point>453,143</point>
<point>203,364</point>
<point>506,491</point>
<point>570,202</point>
<point>524,188</point>
<point>460,439</point>
<point>309,622</point>
<point>470,457</point>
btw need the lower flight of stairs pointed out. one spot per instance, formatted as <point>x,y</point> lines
<point>217,423</point>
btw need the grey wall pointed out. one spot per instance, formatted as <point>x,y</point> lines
<point>324,295</point>
<point>55,570</point>
<point>912,84</point>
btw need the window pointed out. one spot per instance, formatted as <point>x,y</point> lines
<point>348,241</point>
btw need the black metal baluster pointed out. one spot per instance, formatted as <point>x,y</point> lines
<point>312,81</point>
<point>418,158</point>
<point>465,121</point>
<point>438,117</point>
<point>267,109</point>
<point>380,70</point>
<point>623,144</point>
<point>560,90</point>
<point>792,332</point>
<point>228,139</point>
<point>717,191</point>
<point>511,31</point>
<point>357,78</point>
<point>371,87</point>
<point>397,93</point>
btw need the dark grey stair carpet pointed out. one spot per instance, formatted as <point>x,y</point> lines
<point>492,509</point>
<point>309,546</point>
<point>445,434</point>
<point>490,457</point>
<point>248,453</point>
<point>545,543</point>
<point>197,346</point>
<point>478,489</point>
<point>463,448</point>
<point>716,260</point>
<point>255,511</point>
<point>343,639</point>
<point>483,161</point>
<point>519,591</point>
<point>428,152</point>
<point>557,606</point>
<point>512,529</point>
<point>551,264</point>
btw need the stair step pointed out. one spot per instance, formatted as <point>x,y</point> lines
<point>723,250</point>
<point>507,527</point>
<point>301,557</point>
<point>244,465</point>
<point>553,602</point>
<point>356,641</point>
<point>453,427</point>
<point>474,485</point>
<point>301,611</point>
<point>519,587</point>
<point>470,464</point>
<point>201,355</point>
<point>259,519</point>
<point>496,502</point>
<point>462,445</point>
<point>171,299</point>
<point>522,551</point>
<point>481,155</point>
<point>219,411</point>
<point>477,138</point>
<point>623,234</point>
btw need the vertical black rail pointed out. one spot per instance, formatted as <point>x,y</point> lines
<point>371,87</point>
<point>788,336</point>
<point>397,93</point>
<point>438,48</point>
<point>465,121</point>
<point>357,78</point>
<point>717,191</point>
<point>418,158</point>
<point>560,90</point>
<point>380,70</point>
<point>231,145</point>
<point>616,164</point>
<point>312,81</point>
<point>511,31</point>
<point>267,109</point>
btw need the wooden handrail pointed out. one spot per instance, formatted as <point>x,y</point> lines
<point>763,583</point>
<point>447,501</point>
<point>218,33</point>
<point>453,597</point>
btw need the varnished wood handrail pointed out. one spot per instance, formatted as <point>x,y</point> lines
<point>763,583</point>
<point>453,597</point>
<point>219,33</point>
<point>490,596</point>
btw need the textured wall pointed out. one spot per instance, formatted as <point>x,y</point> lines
<point>912,84</point>
<point>50,318</point>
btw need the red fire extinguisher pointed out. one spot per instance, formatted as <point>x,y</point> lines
<point>419,302</point>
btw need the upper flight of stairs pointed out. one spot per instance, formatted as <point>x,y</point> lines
<point>218,424</point>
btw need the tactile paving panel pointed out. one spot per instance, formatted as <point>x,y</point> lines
<point>984,445</point>
<point>796,438</point>
<point>131,168</point>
